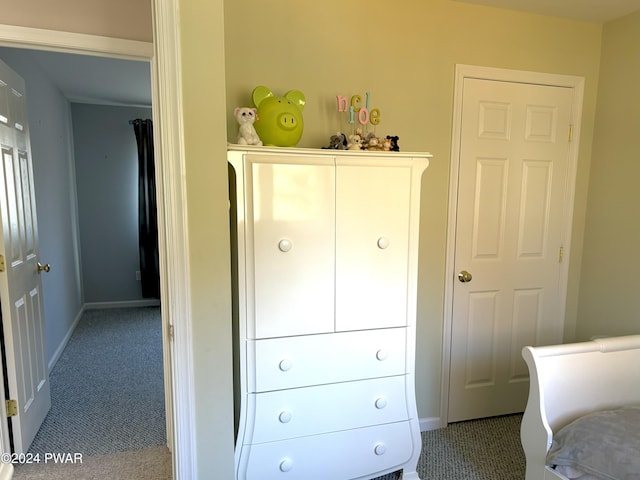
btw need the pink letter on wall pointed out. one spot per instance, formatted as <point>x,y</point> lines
<point>343,103</point>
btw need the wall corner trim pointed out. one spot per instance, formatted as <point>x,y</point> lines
<point>431,423</point>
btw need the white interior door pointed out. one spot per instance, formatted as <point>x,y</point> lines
<point>511,217</point>
<point>20,285</point>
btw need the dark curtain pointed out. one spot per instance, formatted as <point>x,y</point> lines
<point>147,210</point>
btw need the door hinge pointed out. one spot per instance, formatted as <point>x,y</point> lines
<point>2,266</point>
<point>11,407</point>
<point>570,138</point>
<point>561,255</point>
<point>171,332</point>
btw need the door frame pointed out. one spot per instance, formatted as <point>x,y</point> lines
<point>514,76</point>
<point>163,56</point>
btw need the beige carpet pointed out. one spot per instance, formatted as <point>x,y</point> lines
<point>148,464</point>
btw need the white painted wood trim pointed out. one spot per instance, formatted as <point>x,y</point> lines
<point>52,40</point>
<point>489,73</point>
<point>431,423</point>
<point>6,471</point>
<point>172,218</point>
<point>123,304</point>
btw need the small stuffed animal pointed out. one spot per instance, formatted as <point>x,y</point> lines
<point>385,146</point>
<point>394,142</point>
<point>247,133</point>
<point>355,142</point>
<point>372,142</point>
<point>338,141</point>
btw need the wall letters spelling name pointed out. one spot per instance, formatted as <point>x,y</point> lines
<point>354,106</point>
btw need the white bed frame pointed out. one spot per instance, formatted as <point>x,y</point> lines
<point>571,380</point>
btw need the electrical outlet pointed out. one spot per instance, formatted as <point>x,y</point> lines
<point>138,277</point>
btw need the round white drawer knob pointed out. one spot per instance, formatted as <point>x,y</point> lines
<point>382,354</point>
<point>381,403</point>
<point>285,365</point>
<point>285,416</point>
<point>285,245</point>
<point>383,242</point>
<point>380,449</point>
<point>286,464</point>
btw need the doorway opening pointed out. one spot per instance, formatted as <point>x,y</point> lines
<point>164,362</point>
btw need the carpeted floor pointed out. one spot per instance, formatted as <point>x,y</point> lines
<point>108,404</point>
<point>485,449</point>
<point>148,464</point>
<point>107,388</point>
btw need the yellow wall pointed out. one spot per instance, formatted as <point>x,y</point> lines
<point>609,300</point>
<point>405,57</point>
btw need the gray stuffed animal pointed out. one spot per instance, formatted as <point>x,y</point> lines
<point>338,142</point>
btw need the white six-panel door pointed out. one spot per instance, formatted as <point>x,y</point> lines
<point>20,285</point>
<point>512,185</point>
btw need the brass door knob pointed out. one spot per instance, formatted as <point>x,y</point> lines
<point>464,276</point>
<point>46,267</point>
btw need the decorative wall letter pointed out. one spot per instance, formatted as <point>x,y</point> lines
<point>343,103</point>
<point>365,114</point>
<point>375,116</point>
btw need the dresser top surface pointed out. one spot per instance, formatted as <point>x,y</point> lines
<point>232,147</point>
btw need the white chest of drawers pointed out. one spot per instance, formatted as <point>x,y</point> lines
<point>325,267</point>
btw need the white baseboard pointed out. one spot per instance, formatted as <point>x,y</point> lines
<point>124,304</point>
<point>6,471</point>
<point>430,423</point>
<point>63,344</point>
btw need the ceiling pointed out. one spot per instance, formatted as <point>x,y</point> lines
<point>97,80</point>
<point>598,11</point>
<point>87,79</point>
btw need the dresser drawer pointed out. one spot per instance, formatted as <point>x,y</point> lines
<point>291,362</point>
<point>335,456</point>
<point>299,412</point>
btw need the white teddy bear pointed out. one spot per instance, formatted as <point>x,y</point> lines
<point>247,134</point>
<point>355,142</point>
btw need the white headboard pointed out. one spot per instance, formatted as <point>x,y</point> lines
<point>568,381</point>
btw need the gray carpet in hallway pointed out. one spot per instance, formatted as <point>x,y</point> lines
<point>107,388</point>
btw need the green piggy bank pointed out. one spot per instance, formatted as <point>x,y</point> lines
<point>279,121</point>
